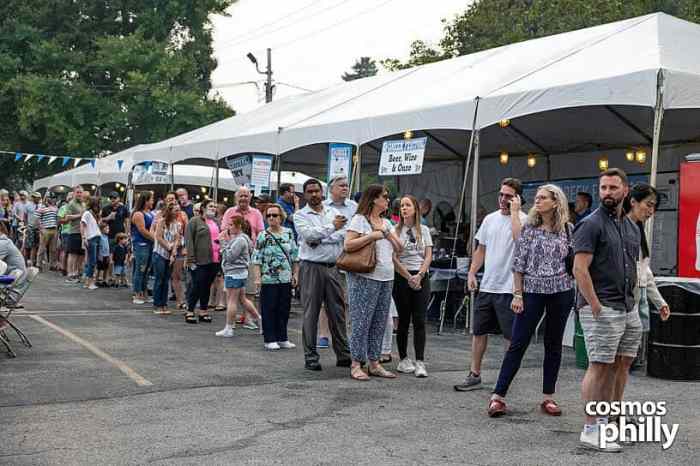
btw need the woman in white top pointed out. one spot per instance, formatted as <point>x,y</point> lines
<point>640,206</point>
<point>411,284</point>
<point>369,294</point>
<point>90,232</point>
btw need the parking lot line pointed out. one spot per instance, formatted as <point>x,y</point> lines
<point>121,365</point>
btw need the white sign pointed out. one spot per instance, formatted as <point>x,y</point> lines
<point>339,160</point>
<point>150,173</point>
<point>404,157</point>
<point>241,168</point>
<point>260,174</point>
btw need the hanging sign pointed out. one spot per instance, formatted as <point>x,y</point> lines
<point>339,160</point>
<point>241,168</point>
<point>251,170</point>
<point>404,157</point>
<point>150,173</point>
<point>260,173</point>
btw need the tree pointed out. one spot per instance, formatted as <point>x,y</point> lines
<point>89,77</point>
<point>493,23</point>
<point>363,68</point>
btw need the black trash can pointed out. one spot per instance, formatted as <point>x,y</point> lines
<point>674,345</point>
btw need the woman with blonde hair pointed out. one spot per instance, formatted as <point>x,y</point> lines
<point>541,285</point>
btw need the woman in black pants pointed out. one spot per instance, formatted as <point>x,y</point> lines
<point>203,259</point>
<point>412,285</point>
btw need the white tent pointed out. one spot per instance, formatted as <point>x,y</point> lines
<point>603,78</point>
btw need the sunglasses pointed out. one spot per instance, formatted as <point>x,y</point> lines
<point>272,215</point>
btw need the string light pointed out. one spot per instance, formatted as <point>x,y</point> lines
<point>408,134</point>
<point>641,157</point>
<point>121,188</point>
<point>531,160</point>
<point>225,199</point>
<point>204,189</point>
<point>117,185</point>
<point>603,163</point>
<point>503,158</point>
<point>629,155</point>
<point>504,123</point>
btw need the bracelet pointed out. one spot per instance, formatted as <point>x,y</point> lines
<point>517,295</point>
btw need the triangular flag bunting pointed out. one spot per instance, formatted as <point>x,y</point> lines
<point>40,157</point>
<point>18,155</point>
<point>146,165</point>
<point>119,164</point>
<point>65,161</point>
<point>92,162</point>
<point>76,162</point>
<point>52,159</point>
<point>27,157</point>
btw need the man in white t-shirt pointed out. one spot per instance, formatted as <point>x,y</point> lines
<point>492,313</point>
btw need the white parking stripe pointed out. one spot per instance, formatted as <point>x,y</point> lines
<point>121,365</point>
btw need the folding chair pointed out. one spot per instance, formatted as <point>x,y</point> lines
<point>10,296</point>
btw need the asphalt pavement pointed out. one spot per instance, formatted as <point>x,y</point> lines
<point>108,382</point>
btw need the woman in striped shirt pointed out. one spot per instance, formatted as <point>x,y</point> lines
<point>48,226</point>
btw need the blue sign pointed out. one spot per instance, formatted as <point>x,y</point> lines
<point>339,160</point>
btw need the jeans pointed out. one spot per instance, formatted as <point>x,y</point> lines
<point>161,270</point>
<point>93,245</point>
<point>142,259</point>
<point>202,278</point>
<point>411,305</point>
<point>558,306</point>
<point>275,302</point>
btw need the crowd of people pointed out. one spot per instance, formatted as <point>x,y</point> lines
<point>544,263</point>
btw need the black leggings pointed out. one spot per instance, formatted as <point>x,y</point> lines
<point>411,305</point>
<point>202,278</point>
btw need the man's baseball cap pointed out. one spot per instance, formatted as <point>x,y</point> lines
<point>113,194</point>
<point>36,194</point>
<point>23,193</point>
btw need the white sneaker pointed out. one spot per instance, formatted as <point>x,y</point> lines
<point>272,346</point>
<point>590,440</point>
<point>92,287</point>
<point>420,369</point>
<point>406,366</point>
<point>286,344</point>
<point>250,325</point>
<point>138,301</point>
<point>226,332</point>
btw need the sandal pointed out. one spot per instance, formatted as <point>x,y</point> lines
<point>550,407</point>
<point>379,371</point>
<point>385,359</point>
<point>497,408</point>
<point>205,318</point>
<point>358,374</point>
<point>190,318</point>
<point>220,308</point>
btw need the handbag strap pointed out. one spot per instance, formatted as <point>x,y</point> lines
<point>269,234</point>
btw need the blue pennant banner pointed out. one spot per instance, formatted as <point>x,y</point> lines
<point>119,164</point>
<point>92,162</point>
<point>18,155</point>
<point>40,157</point>
<point>65,161</point>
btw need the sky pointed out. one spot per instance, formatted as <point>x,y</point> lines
<point>315,41</point>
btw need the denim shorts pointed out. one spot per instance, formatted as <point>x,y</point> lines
<point>118,270</point>
<point>230,282</point>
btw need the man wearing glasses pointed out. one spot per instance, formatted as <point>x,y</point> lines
<point>492,313</point>
<point>321,231</point>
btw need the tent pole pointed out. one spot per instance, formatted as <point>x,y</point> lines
<point>472,229</point>
<point>358,168</point>
<point>216,179</point>
<point>279,163</point>
<point>658,120</point>
<point>172,176</point>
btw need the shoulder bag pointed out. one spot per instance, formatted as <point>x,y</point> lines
<point>363,260</point>
<point>569,259</point>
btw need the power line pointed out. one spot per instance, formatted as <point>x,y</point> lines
<point>293,86</point>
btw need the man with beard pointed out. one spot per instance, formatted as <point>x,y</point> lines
<point>606,244</point>
<point>321,232</point>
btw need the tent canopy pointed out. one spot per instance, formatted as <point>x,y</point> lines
<point>551,84</point>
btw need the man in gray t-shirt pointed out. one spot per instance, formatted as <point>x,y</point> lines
<point>12,257</point>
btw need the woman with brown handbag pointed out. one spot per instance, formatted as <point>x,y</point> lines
<point>369,293</point>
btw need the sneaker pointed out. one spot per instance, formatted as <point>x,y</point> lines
<point>420,369</point>
<point>149,300</point>
<point>227,332</point>
<point>322,342</point>
<point>471,382</point>
<point>138,301</point>
<point>250,325</point>
<point>72,280</point>
<point>92,287</point>
<point>286,344</point>
<point>272,346</point>
<point>589,440</point>
<point>406,366</point>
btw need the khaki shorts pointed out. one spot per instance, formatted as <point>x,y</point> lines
<point>613,333</point>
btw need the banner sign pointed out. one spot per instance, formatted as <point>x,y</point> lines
<point>404,157</point>
<point>150,173</point>
<point>339,160</point>
<point>241,168</point>
<point>689,221</point>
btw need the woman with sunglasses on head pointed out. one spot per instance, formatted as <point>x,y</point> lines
<point>276,261</point>
<point>369,294</point>
<point>203,257</point>
<point>411,284</point>
<point>167,239</point>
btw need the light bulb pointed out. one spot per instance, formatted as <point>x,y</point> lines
<point>204,189</point>
<point>408,134</point>
<point>641,157</point>
<point>603,163</point>
<point>629,155</point>
<point>503,158</point>
<point>531,160</point>
<point>504,123</point>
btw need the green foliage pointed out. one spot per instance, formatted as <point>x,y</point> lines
<point>493,23</point>
<point>363,68</point>
<point>86,77</point>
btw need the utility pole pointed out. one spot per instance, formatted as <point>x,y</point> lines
<point>267,73</point>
